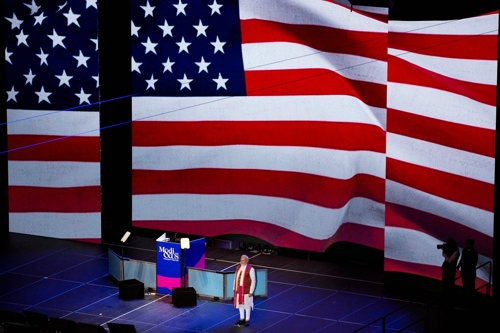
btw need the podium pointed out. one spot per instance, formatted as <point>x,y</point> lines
<point>172,261</point>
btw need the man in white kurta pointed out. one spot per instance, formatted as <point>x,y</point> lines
<point>243,287</point>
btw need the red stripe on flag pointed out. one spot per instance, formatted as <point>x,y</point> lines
<point>435,226</point>
<point>405,72</point>
<point>313,82</point>
<point>480,47</point>
<point>333,135</point>
<point>85,199</point>
<point>76,149</point>
<point>313,189</point>
<point>452,187</point>
<point>362,43</point>
<point>273,234</point>
<point>393,265</point>
<point>464,137</point>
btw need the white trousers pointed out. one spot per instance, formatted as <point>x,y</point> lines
<point>247,306</point>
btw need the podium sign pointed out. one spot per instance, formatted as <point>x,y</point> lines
<point>171,261</point>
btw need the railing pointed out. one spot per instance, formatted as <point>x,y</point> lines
<point>429,304</point>
<point>487,284</point>
<point>384,318</point>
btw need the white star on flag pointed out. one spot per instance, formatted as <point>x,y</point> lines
<point>183,45</point>
<point>135,66</point>
<point>56,39</point>
<point>218,45</point>
<point>15,22</point>
<point>148,9</point>
<point>43,95</point>
<point>61,7</point>
<point>7,56</point>
<point>43,57</point>
<point>72,18</point>
<point>84,98</point>
<point>96,78</point>
<point>150,46</point>
<point>200,29</point>
<point>39,19</point>
<point>215,8</point>
<point>64,79</point>
<point>221,83</point>
<point>21,38</point>
<point>96,42</point>
<point>180,8</point>
<point>167,29</point>
<point>203,66</point>
<point>151,82</point>
<point>168,65</point>
<point>91,3</point>
<point>82,60</point>
<point>134,29</point>
<point>29,77</point>
<point>185,82</point>
<point>11,95</point>
<point>34,8</point>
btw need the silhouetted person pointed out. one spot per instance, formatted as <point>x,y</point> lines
<point>449,267</point>
<point>467,266</point>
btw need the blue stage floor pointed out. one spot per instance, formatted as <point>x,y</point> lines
<point>70,280</point>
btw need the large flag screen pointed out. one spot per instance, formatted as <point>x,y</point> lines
<point>305,123</point>
<point>53,130</point>
<point>441,116</point>
<point>260,117</point>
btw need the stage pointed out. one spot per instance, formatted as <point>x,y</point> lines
<point>70,280</point>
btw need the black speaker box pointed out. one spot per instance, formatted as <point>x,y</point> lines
<point>60,325</point>
<point>131,289</point>
<point>89,328</point>
<point>20,328</point>
<point>36,319</point>
<point>11,317</point>
<point>184,297</point>
<point>121,328</point>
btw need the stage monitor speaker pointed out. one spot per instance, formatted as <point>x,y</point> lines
<point>36,319</point>
<point>131,289</point>
<point>121,328</point>
<point>11,317</point>
<point>182,297</point>
<point>62,325</point>
<point>20,328</point>
<point>89,328</point>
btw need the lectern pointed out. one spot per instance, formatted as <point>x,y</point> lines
<point>171,262</point>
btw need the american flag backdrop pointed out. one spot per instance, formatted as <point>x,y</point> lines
<point>51,63</point>
<point>441,123</point>
<point>258,117</point>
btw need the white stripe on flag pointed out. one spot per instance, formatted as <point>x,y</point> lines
<point>313,108</point>
<point>471,70</point>
<point>283,56</point>
<point>452,107</point>
<point>54,174</point>
<point>57,225</point>
<point>486,24</point>
<point>471,217</point>
<point>60,123</point>
<point>440,157</point>
<point>332,163</point>
<point>290,214</point>
<point>311,12</point>
<point>421,248</point>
